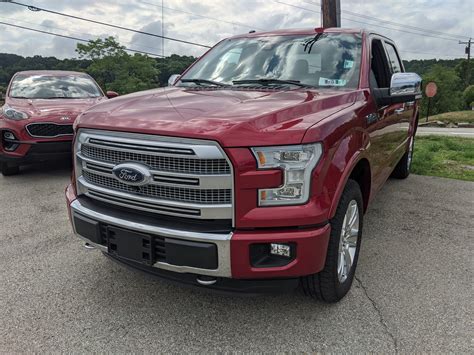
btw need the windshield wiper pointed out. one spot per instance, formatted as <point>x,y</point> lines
<point>203,81</point>
<point>272,81</point>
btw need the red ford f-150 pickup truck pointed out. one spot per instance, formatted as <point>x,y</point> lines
<point>40,109</point>
<point>253,170</point>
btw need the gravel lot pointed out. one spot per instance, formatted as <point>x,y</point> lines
<point>413,291</point>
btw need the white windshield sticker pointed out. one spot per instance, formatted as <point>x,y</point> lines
<point>348,64</point>
<point>332,82</point>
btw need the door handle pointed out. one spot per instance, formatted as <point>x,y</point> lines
<point>399,111</point>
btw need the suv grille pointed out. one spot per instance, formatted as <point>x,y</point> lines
<point>49,129</point>
<point>188,178</point>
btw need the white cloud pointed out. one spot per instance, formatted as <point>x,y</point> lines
<point>193,21</point>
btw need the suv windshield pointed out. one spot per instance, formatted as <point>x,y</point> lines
<point>322,60</point>
<point>53,87</point>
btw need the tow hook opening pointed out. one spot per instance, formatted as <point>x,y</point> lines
<point>88,246</point>
<point>206,280</point>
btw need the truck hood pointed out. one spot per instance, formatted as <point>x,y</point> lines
<point>233,117</point>
<point>52,110</point>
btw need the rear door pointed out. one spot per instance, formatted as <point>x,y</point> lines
<point>383,126</point>
<point>403,112</point>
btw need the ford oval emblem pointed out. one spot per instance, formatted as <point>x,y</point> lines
<point>132,174</point>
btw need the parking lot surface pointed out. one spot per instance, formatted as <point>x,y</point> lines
<point>413,290</point>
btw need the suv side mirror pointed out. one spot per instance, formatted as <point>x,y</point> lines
<point>404,87</point>
<point>173,79</point>
<point>111,94</point>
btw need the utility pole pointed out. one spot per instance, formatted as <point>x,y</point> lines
<point>468,52</point>
<point>331,13</point>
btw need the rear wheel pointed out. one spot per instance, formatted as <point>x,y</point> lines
<point>402,170</point>
<point>335,280</point>
<point>8,170</point>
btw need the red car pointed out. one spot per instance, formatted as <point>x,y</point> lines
<point>40,109</point>
<point>253,171</point>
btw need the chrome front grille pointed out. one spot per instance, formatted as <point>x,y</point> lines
<point>157,162</point>
<point>189,178</point>
<point>171,193</point>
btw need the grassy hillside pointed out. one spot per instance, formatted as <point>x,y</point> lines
<point>454,117</point>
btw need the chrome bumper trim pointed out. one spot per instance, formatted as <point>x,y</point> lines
<point>222,241</point>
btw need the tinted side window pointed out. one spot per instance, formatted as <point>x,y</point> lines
<point>380,69</point>
<point>393,58</point>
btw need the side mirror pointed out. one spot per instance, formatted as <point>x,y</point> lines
<point>404,87</point>
<point>111,94</point>
<point>173,79</point>
<point>403,84</point>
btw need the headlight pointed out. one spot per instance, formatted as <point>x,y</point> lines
<point>13,114</point>
<point>297,162</point>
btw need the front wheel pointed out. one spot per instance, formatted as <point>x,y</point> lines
<point>8,170</point>
<point>335,280</point>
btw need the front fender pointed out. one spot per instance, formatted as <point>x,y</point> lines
<point>345,155</point>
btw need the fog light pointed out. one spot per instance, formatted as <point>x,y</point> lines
<point>9,135</point>
<point>280,249</point>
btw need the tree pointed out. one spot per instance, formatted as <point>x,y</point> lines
<point>174,64</point>
<point>466,74</point>
<point>468,96</point>
<point>449,96</point>
<point>114,69</point>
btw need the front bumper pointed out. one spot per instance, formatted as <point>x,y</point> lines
<point>232,248</point>
<point>35,152</point>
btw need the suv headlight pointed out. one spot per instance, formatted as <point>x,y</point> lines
<point>13,114</point>
<point>297,162</point>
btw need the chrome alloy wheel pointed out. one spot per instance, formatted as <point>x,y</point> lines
<point>348,241</point>
<point>410,152</point>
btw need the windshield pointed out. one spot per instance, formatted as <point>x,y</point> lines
<point>53,87</point>
<point>322,60</point>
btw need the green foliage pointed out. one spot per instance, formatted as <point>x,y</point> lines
<point>449,95</point>
<point>100,48</point>
<point>468,96</point>
<point>114,69</point>
<point>466,75</point>
<point>107,62</point>
<point>455,117</point>
<point>449,157</point>
<point>173,64</point>
<point>451,77</point>
<point>422,66</point>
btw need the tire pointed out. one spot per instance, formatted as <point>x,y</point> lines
<point>330,285</point>
<point>8,170</point>
<point>402,170</point>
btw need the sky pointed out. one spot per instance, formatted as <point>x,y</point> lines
<point>208,21</point>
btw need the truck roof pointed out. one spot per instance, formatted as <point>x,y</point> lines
<point>303,31</point>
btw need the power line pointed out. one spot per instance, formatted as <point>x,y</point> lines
<point>202,16</point>
<point>71,37</point>
<point>373,18</point>
<point>136,44</point>
<point>365,23</point>
<point>35,8</point>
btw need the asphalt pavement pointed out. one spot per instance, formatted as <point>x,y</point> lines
<point>413,291</point>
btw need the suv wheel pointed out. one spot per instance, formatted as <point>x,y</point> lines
<point>402,170</point>
<point>335,280</point>
<point>8,170</point>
